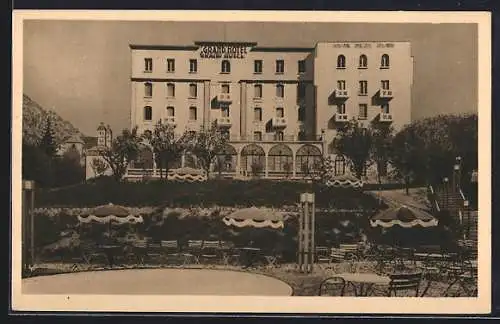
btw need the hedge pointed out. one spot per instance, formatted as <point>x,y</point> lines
<point>214,192</point>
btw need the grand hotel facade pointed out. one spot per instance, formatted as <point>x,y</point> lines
<point>280,107</point>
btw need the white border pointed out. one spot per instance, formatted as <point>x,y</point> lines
<point>374,305</point>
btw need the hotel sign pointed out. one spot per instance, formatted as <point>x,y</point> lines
<point>228,51</point>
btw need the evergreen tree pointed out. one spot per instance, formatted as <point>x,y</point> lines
<point>48,144</point>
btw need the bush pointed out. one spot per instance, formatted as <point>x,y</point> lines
<point>213,192</point>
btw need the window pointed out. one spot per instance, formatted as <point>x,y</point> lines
<point>280,112</point>
<point>385,108</point>
<point>257,136</point>
<point>363,88</point>
<point>225,66</point>
<point>193,113</point>
<point>148,89</point>
<point>341,109</point>
<point>193,90</point>
<point>384,62</point>
<point>170,65</point>
<point>339,165</point>
<point>224,111</point>
<point>257,91</point>
<point>170,90</point>
<point>170,111</point>
<point>257,66</point>
<point>224,88</point>
<point>193,66</point>
<point>341,84</point>
<point>280,66</point>
<point>341,62</point>
<point>280,90</point>
<point>148,64</point>
<point>257,113</point>
<point>279,136</point>
<point>385,84</point>
<point>363,61</point>
<point>363,111</point>
<point>302,66</point>
<point>148,113</point>
<point>301,91</point>
<point>302,113</point>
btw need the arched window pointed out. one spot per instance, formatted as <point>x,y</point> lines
<point>280,90</point>
<point>226,66</point>
<point>170,111</point>
<point>280,158</point>
<point>170,90</point>
<point>148,89</point>
<point>307,158</point>
<point>339,165</point>
<point>363,61</point>
<point>226,159</point>
<point>341,61</point>
<point>193,90</point>
<point>253,157</point>
<point>257,91</point>
<point>148,113</point>
<point>384,62</point>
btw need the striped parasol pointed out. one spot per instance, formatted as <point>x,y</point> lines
<point>110,213</point>
<point>255,217</point>
<point>403,216</point>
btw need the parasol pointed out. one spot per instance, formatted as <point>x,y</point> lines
<point>344,181</point>
<point>255,217</point>
<point>110,214</point>
<point>403,216</point>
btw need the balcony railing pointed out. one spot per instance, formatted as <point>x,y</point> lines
<point>224,97</point>
<point>385,118</point>
<point>278,122</point>
<point>341,118</point>
<point>386,93</point>
<point>275,138</point>
<point>224,121</point>
<point>341,93</point>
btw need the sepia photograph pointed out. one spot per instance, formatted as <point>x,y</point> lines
<point>184,161</point>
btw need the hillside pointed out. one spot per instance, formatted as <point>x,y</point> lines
<point>35,118</point>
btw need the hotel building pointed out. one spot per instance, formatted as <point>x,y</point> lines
<point>280,107</point>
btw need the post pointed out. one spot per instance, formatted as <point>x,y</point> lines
<point>28,223</point>
<point>445,181</point>
<point>306,233</point>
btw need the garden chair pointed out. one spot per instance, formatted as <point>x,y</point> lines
<point>140,248</point>
<point>323,256</point>
<point>351,251</point>
<point>154,252</point>
<point>193,251</point>
<point>333,286</point>
<point>91,252</point>
<point>271,257</point>
<point>210,251</point>
<point>171,250</point>
<point>462,275</point>
<point>229,253</point>
<point>404,282</point>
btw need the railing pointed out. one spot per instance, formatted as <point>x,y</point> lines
<point>274,138</point>
<point>341,93</point>
<point>385,117</point>
<point>224,121</point>
<point>169,120</point>
<point>224,97</point>
<point>279,122</point>
<point>385,93</point>
<point>341,117</point>
<point>432,196</point>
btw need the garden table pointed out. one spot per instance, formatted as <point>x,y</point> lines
<point>250,255</point>
<point>364,280</point>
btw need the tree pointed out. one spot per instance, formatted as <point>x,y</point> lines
<point>98,166</point>
<point>167,146</point>
<point>37,166</point>
<point>206,144</point>
<point>48,143</point>
<point>355,142</point>
<point>124,148</point>
<point>68,170</point>
<point>382,135</point>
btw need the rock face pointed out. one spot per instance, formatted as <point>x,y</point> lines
<point>35,119</point>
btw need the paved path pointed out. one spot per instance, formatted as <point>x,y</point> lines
<point>398,197</point>
<point>158,281</point>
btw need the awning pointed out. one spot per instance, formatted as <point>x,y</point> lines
<point>110,213</point>
<point>255,217</point>
<point>344,181</point>
<point>403,216</point>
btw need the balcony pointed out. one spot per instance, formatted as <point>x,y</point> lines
<point>341,118</point>
<point>385,93</point>
<point>224,98</point>
<point>341,94</point>
<point>170,120</point>
<point>224,121</point>
<point>278,122</point>
<point>385,118</point>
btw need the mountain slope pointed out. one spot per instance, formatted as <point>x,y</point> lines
<point>35,119</point>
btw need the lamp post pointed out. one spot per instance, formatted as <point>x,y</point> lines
<point>306,232</point>
<point>445,181</point>
<point>457,173</point>
<point>467,213</point>
<point>28,223</point>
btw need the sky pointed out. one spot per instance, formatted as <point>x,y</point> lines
<point>81,69</point>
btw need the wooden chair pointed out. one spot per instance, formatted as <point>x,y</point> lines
<point>323,256</point>
<point>154,252</point>
<point>333,286</point>
<point>193,251</point>
<point>351,251</point>
<point>140,248</point>
<point>230,254</point>
<point>404,282</point>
